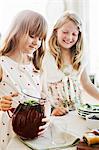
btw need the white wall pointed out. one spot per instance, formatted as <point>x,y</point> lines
<point>94,38</point>
<point>8,10</point>
<point>51,9</point>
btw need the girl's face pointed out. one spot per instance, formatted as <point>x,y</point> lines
<point>67,35</point>
<point>31,44</point>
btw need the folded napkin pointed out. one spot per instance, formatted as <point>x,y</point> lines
<point>54,138</point>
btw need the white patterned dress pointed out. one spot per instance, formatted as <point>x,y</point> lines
<point>63,86</point>
<point>15,78</point>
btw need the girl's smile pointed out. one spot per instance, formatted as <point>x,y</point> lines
<point>67,35</point>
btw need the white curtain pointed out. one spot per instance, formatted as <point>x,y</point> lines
<point>94,38</point>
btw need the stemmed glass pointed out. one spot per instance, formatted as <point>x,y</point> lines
<point>46,111</point>
<point>58,129</point>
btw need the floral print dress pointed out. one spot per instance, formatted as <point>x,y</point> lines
<point>63,86</point>
<point>66,92</point>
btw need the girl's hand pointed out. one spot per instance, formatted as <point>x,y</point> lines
<point>59,111</point>
<point>45,126</point>
<point>6,101</point>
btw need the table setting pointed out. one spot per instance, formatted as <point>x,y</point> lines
<point>64,132</point>
<point>56,137</point>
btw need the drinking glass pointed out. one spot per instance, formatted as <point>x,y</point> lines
<point>58,130</point>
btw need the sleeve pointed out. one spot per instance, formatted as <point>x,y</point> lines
<point>50,68</point>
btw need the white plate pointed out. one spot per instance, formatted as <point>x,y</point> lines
<point>86,108</point>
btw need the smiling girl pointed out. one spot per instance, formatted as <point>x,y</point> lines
<point>64,67</point>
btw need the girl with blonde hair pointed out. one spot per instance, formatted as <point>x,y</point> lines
<point>63,65</point>
<point>20,65</point>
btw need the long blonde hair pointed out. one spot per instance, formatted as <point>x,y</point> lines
<point>76,50</point>
<point>27,22</point>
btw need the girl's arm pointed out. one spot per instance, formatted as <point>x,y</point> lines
<point>88,85</point>
<point>6,100</point>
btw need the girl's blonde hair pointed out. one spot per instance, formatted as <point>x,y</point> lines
<point>76,50</point>
<point>27,22</point>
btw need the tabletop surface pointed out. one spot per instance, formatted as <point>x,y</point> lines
<point>75,125</point>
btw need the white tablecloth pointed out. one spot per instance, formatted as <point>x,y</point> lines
<point>75,125</point>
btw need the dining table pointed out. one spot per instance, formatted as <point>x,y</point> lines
<point>75,125</point>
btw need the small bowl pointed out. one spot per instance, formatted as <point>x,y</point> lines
<point>92,121</point>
